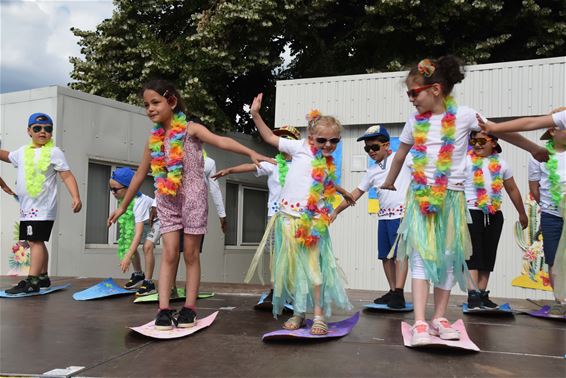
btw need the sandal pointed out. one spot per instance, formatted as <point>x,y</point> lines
<point>294,322</point>
<point>319,326</point>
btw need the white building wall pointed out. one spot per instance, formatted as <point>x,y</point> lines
<point>500,90</point>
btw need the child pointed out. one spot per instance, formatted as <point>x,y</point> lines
<point>376,139</point>
<point>547,182</point>
<point>305,271</point>
<point>36,186</point>
<point>6,188</point>
<point>175,154</point>
<point>148,286</point>
<point>434,233</point>
<point>134,226</point>
<point>486,175</point>
<point>276,175</point>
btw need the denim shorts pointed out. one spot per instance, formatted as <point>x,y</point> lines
<point>551,227</point>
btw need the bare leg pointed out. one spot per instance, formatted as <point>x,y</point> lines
<point>473,280</point>
<point>483,279</point>
<point>167,271</point>
<point>39,258</point>
<point>149,258</point>
<point>420,295</point>
<point>136,261</point>
<point>192,265</point>
<point>401,270</point>
<point>389,269</point>
<point>441,298</point>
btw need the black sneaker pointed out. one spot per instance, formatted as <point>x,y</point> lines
<point>474,299</point>
<point>397,300</point>
<point>23,287</point>
<point>146,288</point>
<point>269,298</point>
<point>165,320</point>
<point>187,318</point>
<point>485,301</point>
<point>384,299</point>
<point>44,281</point>
<point>135,280</point>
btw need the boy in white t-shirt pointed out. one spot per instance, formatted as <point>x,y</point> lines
<point>134,225</point>
<point>36,187</point>
<point>391,210</point>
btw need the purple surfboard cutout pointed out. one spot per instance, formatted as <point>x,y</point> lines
<point>543,313</point>
<point>337,329</point>
<point>436,342</point>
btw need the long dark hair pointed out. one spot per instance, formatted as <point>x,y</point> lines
<point>448,71</point>
<point>167,90</point>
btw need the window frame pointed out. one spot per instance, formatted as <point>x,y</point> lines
<point>240,244</point>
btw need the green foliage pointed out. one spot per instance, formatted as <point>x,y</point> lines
<point>221,53</point>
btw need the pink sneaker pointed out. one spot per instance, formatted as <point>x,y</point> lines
<point>420,332</point>
<point>441,327</point>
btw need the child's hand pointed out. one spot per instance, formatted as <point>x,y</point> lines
<point>333,217</point>
<point>485,124</point>
<point>349,198</point>
<point>152,216</point>
<point>221,173</point>
<point>524,220</point>
<point>223,224</point>
<point>256,105</point>
<point>114,216</point>
<point>541,154</point>
<point>125,263</point>
<point>76,205</point>
<point>7,189</point>
<point>388,186</point>
<point>257,158</point>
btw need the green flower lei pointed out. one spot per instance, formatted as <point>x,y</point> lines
<point>553,176</point>
<point>127,228</point>
<point>35,173</point>
<point>283,168</point>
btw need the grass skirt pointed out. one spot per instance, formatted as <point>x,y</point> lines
<point>559,267</point>
<point>266,246</point>
<point>441,239</point>
<point>297,270</point>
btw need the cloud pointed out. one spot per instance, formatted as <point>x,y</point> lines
<point>36,42</point>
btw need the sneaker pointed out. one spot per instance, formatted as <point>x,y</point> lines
<point>441,327</point>
<point>557,309</point>
<point>187,318</point>
<point>165,320</point>
<point>44,281</point>
<point>384,299</point>
<point>269,298</point>
<point>474,300</point>
<point>23,287</point>
<point>420,333</point>
<point>146,288</point>
<point>397,300</point>
<point>135,280</point>
<point>485,301</point>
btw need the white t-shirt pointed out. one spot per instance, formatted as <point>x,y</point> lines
<point>272,173</point>
<point>142,207</point>
<point>391,202</point>
<point>298,182</point>
<point>560,119</point>
<point>44,206</point>
<point>538,172</point>
<point>471,193</point>
<point>213,187</point>
<point>465,123</point>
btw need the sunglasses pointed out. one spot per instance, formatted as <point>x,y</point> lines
<point>372,147</point>
<point>479,141</point>
<point>412,93</point>
<point>37,129</point>
<point>324,140</point>
<point>115,190</point>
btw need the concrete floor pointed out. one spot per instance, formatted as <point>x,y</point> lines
<point>38,334</point>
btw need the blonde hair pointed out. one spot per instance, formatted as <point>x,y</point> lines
<point>324,121</point>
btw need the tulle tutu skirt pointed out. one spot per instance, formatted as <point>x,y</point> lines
<point>296,270</point>
<point>266,247</point>
<point>442,239</point>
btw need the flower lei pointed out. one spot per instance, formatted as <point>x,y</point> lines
<point>35,173</point>
<point>553,176</point>
<point>167,169</point>
<point>431,197</point>
<point>283,168</point>
<point>494,166</point>
<point>127,226</point>
<point>323,173</point>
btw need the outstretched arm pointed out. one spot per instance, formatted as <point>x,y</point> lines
<point>263,129</point>
<point>356,194</point>
<point>242,168</point>
<point>396,166</point>
<point>515,195</point>
<point>539,153</point>
<point>519,124</point>
<point>125,263</point>
<point>71,184</point>
<point>347,195</point>
<point>4,156</point>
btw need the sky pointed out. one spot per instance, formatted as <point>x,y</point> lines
<point>36,43</point>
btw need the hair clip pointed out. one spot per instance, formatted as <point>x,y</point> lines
<point>313,116</point>
<point>426,68</point>
<point>166,94</point>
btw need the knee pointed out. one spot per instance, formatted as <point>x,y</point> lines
<point>192,256</point>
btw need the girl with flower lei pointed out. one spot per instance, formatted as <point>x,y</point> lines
<point>304,269</point>
<point>486,176</point>
<point>434,233</point>
<point>174,156</point>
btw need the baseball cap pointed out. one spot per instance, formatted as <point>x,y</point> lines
<point>288,131</point>
<point>39,119</point>
<point>374,131</point>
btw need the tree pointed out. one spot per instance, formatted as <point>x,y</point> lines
<point>221,53</point>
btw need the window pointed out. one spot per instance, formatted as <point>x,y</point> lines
<point>101,202</point>
<point>246,213</point>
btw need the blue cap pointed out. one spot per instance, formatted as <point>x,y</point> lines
<point>374,131</point>
<point>124,176</point>
<point>39,119</point>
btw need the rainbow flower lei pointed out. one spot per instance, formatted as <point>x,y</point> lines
<point>494,166</point>
<point>167,169</point>
<point>283,168</point>
<point>556,190</point>
<point>35,173</point>
<point>324,174</point>
<point>127,225</point>
<point>431,197</point>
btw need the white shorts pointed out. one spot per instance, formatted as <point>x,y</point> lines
<point>154,234</point>
<point>418,272</point>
